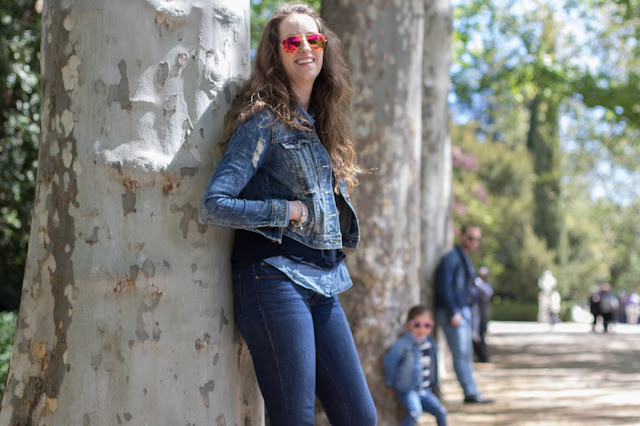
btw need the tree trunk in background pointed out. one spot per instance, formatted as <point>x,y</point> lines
<point>543,143</point>
<point>383,45</point>
<point>126,314</point>
<point>435,214</point>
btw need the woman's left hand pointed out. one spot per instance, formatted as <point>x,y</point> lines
<point>298,212</point>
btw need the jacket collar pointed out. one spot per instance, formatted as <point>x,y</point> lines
<point>306,116</point>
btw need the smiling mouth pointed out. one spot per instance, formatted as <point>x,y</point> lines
<point>304,61</point>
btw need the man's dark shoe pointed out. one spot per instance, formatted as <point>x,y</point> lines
<point>478,399</point>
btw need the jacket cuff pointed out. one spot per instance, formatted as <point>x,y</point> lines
<point>280,213</point>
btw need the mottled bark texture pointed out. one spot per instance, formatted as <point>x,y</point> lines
<point>126,314</point>
<point>383,46</point>
<point>435,214</point>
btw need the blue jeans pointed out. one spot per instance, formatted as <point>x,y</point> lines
<point>301,346</point>
<point>416,405</point>
<point>460,344</point>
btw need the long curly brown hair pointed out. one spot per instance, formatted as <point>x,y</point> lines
<point>268,87</point>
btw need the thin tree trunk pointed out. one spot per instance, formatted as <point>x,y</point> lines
<point>126,315</point>
<point>435,214</point>
<point>383,44</point>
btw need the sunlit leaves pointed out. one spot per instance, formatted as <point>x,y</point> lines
<point>582,56</point>
<point>19,131</point>
<point>7,330</point>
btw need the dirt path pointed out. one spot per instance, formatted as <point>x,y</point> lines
<point>568,376</point>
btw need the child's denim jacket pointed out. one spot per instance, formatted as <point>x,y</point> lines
<point>264,166</point>
<point>402,369</point>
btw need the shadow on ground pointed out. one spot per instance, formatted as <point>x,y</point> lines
<point>565,376</point>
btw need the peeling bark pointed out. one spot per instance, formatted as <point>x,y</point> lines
<point>121,276</point>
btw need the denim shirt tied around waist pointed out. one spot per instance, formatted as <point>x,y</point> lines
<point>264,166</point>
<point>402,367</point>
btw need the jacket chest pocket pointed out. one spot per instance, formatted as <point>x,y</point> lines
<point>300,160</point>
<point>297,153</point>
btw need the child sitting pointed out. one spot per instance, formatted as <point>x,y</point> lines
<point>411,368</point>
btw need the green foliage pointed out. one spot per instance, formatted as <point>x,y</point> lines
<point>493,188</point>
<point>580,61</point>
<point>603,241</point>
<point>530,258</point>
<point>19,132</point>
<point>528,77</point>
<point>622,240</point>
<point>614,83</point>
<point>511,310</point>
<point>556,49</point>
<point>588,257</point>
<point>7,330</point>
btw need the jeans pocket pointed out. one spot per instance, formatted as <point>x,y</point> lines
<point>263,271</point>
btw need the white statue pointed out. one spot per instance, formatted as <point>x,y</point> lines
<point>547,283</point>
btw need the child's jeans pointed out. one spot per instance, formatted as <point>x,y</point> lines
<point>416,404</point>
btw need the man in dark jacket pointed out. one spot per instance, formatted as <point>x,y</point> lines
<point>454,296</point>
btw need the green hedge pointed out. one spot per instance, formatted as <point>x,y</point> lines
<point>7,330</point>
<point>511,310</point>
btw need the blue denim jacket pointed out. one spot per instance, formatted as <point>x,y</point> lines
<point>402,369</point>
<point>453,287</point>
<point>264,166</point>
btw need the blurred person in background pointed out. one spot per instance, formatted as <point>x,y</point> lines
<point>454,296</point>
<point>481,311</point>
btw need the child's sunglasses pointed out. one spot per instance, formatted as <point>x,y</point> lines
<point>418,324</point>
<point>316,41</point>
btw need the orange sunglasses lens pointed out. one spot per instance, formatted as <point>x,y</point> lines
<point>292,43</point>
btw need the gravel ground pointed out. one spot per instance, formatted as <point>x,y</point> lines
<point>551,377</point>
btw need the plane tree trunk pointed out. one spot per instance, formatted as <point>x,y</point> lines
<point>126,314</point>
<point>383,45</point>
<point>435,214</point>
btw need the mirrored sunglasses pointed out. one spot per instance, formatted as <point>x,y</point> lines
<point>418,324</point>
<point>316,41</point>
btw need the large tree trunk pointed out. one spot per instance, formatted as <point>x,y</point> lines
<point>383,45</point>
<point>435,214</point>
<point>126,314</point>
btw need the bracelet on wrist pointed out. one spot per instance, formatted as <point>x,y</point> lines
<point>303,215</point>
